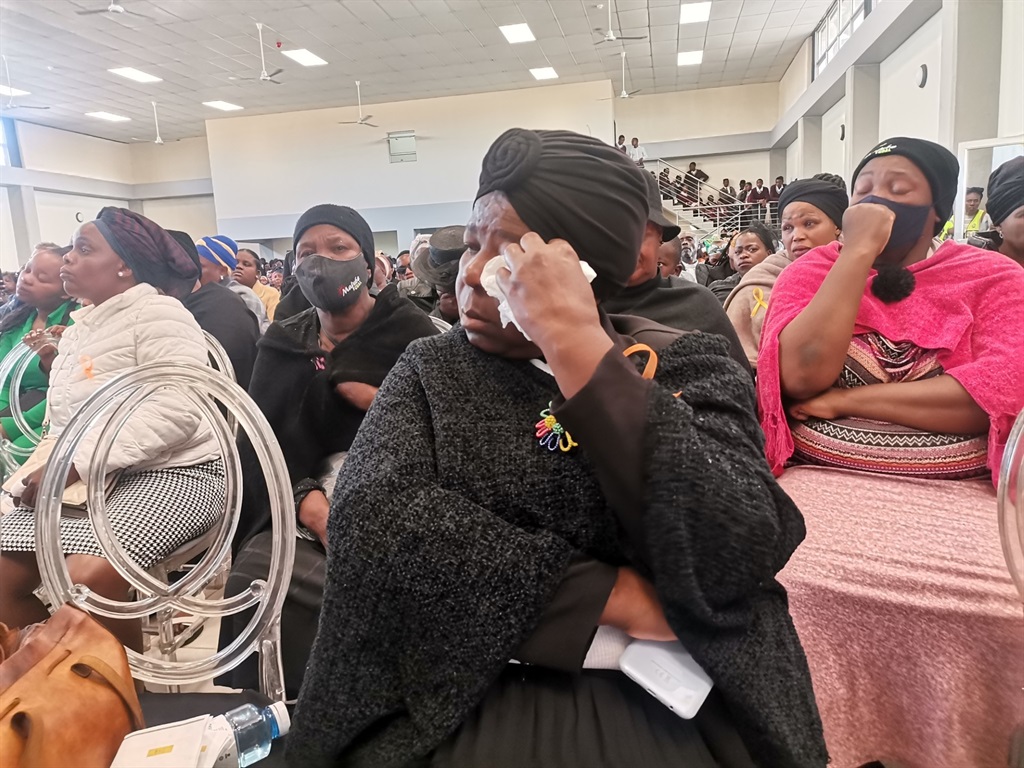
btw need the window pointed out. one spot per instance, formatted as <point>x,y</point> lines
<point>402,146</point>
<point>835,29</point>
<point>3,142</point>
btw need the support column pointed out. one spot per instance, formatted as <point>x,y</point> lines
<point>24,220</point>
<point>862,107</point>
<point>808,135</point>
<point>970,66</point>
<point>777,165</point>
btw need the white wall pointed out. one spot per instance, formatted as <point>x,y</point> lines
<point>173,161</point>
<point>50,149</point>
<point>694,114</point>
<point>832,147</point>
<point>744,165</point>
<point>194,215</point>
<point>388,242</point>
<point>306,158</point>
<point>905,109</point>
<point>60,215</point>
<point>1011,81</point>
<point>8,251</point>
<point>797,77</point>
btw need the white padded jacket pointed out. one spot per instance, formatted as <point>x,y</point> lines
<point>139,326</point>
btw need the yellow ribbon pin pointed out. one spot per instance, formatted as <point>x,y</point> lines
<point>759,302</point>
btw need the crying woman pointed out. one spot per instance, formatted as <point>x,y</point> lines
<point>882,355</point>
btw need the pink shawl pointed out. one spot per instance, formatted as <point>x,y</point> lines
<point>967,306</point>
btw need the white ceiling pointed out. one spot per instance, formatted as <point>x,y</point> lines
<point>399,49</point>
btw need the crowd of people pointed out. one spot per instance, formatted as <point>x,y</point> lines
<point>536,436</point>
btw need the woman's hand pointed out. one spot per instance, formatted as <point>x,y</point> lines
<point>313,513</point>
<point>866,230</point>
<point>32,482</point>
<point>43,343</point>
<point>633,607</point>
<point>830,404</point>
<point>359,394</point>
<point>547,291</point>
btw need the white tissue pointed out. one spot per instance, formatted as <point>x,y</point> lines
<point>489,281</point>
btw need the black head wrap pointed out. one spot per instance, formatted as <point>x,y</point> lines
<point>577,188</point>
<point>438,264</point>
<point>1006,189</point>
<point>826,197</point>
<point>151,253</point>
<point>939,166</point>
<point>184,286</point>
<point>344,218</point>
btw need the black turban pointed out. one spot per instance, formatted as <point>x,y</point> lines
<point>577,188</point>
<point>184,286</point>
<point>1006,189</point>
<point>823,195</point>
<point>151,253</point>
<point>344,218</point>
<point>939,166</point>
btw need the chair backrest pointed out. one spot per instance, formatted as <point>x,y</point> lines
<point>1010,495</point>
<point>107,410</point>
<point>219,356</point>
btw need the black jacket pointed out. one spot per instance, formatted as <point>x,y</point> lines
<point>221,313</point>
<point>294,383</point>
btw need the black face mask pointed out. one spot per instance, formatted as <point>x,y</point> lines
<point>906,229</point>
<point>330,285</point>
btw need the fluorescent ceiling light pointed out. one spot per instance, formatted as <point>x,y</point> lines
<point>544,73</point>
<point>135,74</point>
<point>517,33</point>
<point>7,91</point>
<point>108,116</point>
<point>686,58</point>
<point>222,105</point>
<point>304,57</point>
<point>693,13</point>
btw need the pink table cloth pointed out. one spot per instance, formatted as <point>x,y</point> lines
<point>913,629</point>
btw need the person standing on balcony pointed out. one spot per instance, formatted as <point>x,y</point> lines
<point>637,153</point>
<point>757,199</point>
<point>727,194</point>
<point>694,178</point>
<point>621,144</point>
<point>774,192</point>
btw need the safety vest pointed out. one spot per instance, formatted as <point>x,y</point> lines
<point>973,226</point>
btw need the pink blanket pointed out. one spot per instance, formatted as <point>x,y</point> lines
<point>913,630</point>
<point>968,305</point>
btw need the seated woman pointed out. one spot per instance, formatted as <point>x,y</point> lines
<point>747,249</point>
<point>171,489</point>
<point>464,533</point>
<point>885,360</point>
<point>39,302</point>
<point>1006,207</point>
<point>316,373</point>
<point>812,215</point>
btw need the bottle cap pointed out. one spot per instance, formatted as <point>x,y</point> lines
<point>284,721</point>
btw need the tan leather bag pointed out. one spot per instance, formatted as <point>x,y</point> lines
<point>66,696</point>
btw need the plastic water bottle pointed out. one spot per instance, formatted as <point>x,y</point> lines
<point>255,728</point>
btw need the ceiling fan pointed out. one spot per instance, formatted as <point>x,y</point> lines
<point>363,119</point>
<point>114,7</point>
<point>156,124</point>
<point>10,89</point>
<point>264,77</point>
<point>625,94</point>
<point>609,34</point>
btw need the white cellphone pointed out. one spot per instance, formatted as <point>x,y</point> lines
<point>668,673</point>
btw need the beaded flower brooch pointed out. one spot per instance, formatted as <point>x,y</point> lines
<point>551,434</point>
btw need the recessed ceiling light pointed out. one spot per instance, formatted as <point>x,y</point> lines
<point>304,57</point>
<point>686,58</point>
<point>135,74</point>
<point>544,73</point>
<point>517,33</point>
<point>7,91</point>
<point>108,116</point>
<point>693,13</point>
<point>223,105</point>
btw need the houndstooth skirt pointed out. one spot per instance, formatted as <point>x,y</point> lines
<point>152,513</point>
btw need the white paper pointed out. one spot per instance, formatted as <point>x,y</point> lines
<point>219,749</point>
<point>489,282</point>
<point>175,745</point>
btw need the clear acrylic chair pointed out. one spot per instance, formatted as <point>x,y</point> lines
<point>12,371</point>
<point>107,410</point>
<point>1010,498</point>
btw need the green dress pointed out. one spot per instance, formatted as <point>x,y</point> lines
<point>34,382</point>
